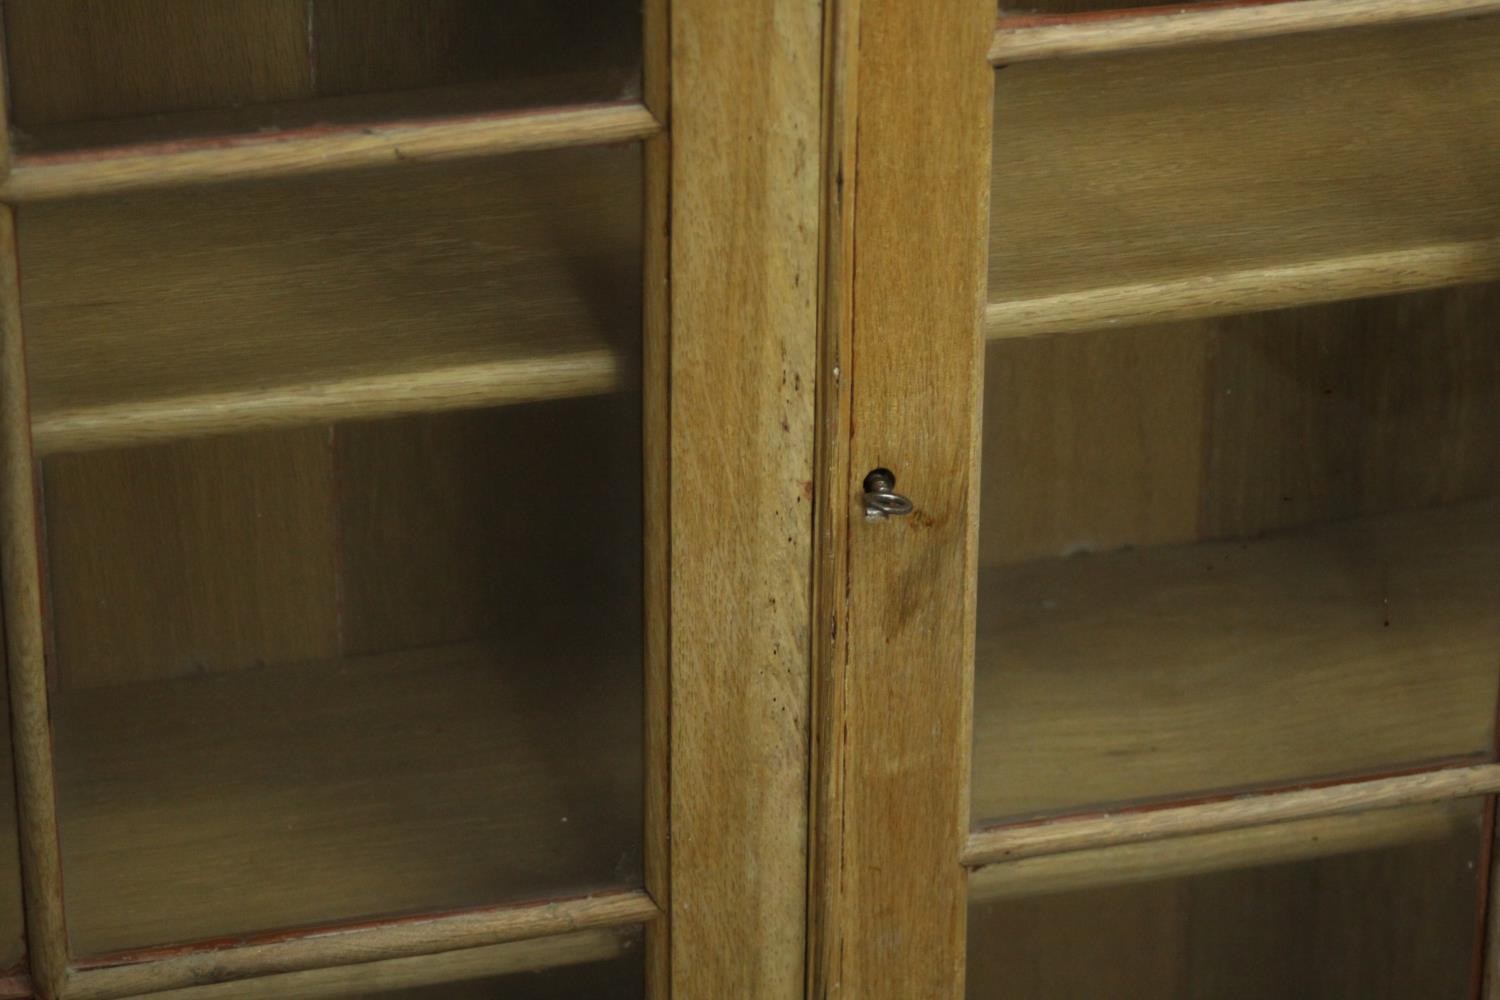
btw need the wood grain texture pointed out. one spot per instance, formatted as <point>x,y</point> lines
<point>450,971</point>
<point>288,302</point>
<point>831,508</point>
<point>210,555</point>
<point>920,198</point>
<point>358,945</point>
<point>204,807</point>
<point>1347,648</point>
<point>1384,908</point>
<point>1170,169</point>
<point>1110,829</point>
<point>1181,24</point>
<point>746,115</point>
<point>319,150</point>
<point>21,579</point>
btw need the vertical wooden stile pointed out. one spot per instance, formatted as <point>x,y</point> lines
<point>746,113</point>
<point>656,432</point>
<point>896,689</point>
<point>20,572</point>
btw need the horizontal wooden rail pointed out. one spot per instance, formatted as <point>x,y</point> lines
<point>306,151</point>
<point>1029,39</point>
<point>1226,850</point>
<point>502,382</point>
<point>1068,835</point>
<point>1285,286</point>
<point>105,979</point>
<point>442,968</point>
<point>15,986</point>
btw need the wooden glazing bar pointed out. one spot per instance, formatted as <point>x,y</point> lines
<point>1077,834</point>
<point>447,967</point>
<point>656,426</point>
<point>1222,850</point>
<point>20,575</point>
<point>129,975</point>
<point>1028,39</point>
<point>489,383</point>
<point>1380,273</point>
<point>207,161</point>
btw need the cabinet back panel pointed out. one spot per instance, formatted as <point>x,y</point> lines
<point>1152,167</point>
<point>1231,552</point>
<point>335,673</point>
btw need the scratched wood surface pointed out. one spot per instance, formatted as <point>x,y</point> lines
<point>744,286</point>
<point>918,194</point>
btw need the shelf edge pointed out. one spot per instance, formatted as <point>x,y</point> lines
<point>1167,27</point>
<point>1009,844</point>
<point>209,161</point>
<point>1252,290</point>
<point>96,980</point>
<point>508,382</point>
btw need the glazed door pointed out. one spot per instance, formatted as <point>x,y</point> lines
<point>1178,330</point>
<point>342,491</point>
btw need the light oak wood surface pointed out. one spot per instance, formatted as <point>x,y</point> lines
<point>158,315</point>
<point>1164,26</point>
<point>918,194</point>
<point>745,121</point>
<point>1124,183</point>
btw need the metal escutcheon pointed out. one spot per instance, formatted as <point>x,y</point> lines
<point>881,498</point>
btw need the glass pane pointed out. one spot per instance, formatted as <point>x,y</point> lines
<point>1382,906</point>
<point>12,923</point>
<point>309,670</point>
<point>87,73</point>
<point>620,979</point>
<point>1240,551</point>
<point>1155,167</point>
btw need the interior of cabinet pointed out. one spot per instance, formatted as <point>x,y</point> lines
<point>1221,178</point>
<point>86,74</point>
<point>1272,535</point>
<point>339,476</point>
<point>1380,905</point>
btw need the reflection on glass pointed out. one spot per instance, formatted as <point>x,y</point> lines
<point>1239,551</point>
<point>97,72</point>
<point>1384,906</point>
<point>12,926</point>
<point>619,979</point>
<point>309,670</point>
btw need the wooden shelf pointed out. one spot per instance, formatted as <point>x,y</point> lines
<point>1023,38</point>
<point>202,808</point>
<point>1171,672</point>
<point>1220,179</point>
<point>1255,847</point>
<point>231,151</point>
<point>182,312</point>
